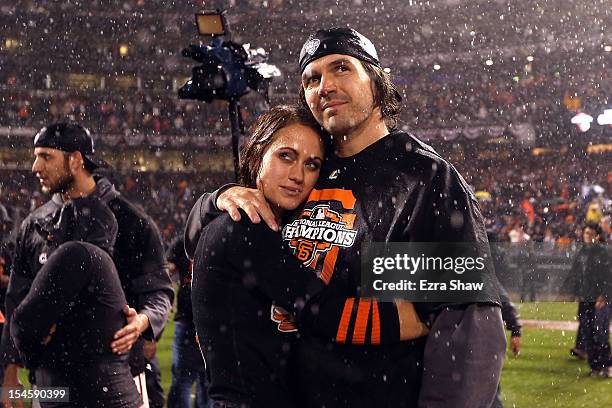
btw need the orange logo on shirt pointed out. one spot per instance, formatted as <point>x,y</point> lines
<point>325,226</point>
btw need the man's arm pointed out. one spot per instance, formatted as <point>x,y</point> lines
<point>230,198</point>
<point>153,288</point>
<point>202,213</point>
<point>463,359</point>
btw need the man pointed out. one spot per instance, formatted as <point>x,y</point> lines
<point>64,164</point>
<point>590,281</point>
<point>187,364</point>
<point>381,186</point>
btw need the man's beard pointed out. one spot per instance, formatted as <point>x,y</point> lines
<point>63,184</point>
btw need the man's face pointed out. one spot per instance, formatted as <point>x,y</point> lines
<point>339,93</point>
<point>589,235</point>
<point>52,169</point>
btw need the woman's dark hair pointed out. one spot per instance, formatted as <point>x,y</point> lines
<point>384,91</point>
<point>262,136</point>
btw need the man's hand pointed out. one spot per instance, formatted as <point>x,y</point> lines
<point>600,303</point>
<point>411,327</point>
<point>251,201</point>
<point>11,381</point>
<point>515,345</point>
<point>127,336</point>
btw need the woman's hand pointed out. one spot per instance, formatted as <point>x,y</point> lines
<point>251,201</point>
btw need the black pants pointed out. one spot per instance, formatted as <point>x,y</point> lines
<point>597,323</point>
<point>581,334</point>
<point>155,391</point>
<point>336,375</point>
<point>96,385</point>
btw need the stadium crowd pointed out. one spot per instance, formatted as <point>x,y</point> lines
<point>549,196</point>
<point>432,101</point>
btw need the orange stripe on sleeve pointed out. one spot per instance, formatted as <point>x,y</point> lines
<point>375,338</point>
<point>345,320</point>
<point>361,322</point>
<point>329,264</point>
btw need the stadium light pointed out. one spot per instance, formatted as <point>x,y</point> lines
<point>436,67</point>
<point>605,118</point>
<point>608,48</point>
<point>489,62</point>
<point>211,23</point>
<point>530,58</point>
<point>582,121</point>
<point>123,50</point>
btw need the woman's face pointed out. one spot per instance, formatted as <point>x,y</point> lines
<point>290,167</point>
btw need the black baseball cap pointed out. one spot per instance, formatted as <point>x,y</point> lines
<point>69,137</point>
<point>337,40</point>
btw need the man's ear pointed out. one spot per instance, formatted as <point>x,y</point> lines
<point>76,162</point>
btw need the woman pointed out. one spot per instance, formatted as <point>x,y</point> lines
<point>242,299</point>
<point>65,325</point>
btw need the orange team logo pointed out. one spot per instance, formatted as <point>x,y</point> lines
<point>325,226</point>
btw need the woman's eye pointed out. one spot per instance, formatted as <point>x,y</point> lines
<point>285,156</point>
<point>313,166</point>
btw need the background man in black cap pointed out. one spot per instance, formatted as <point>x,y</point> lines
<point>388,187</point>
<point>64,164</point>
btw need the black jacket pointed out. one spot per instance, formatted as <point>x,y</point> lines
<point>176,255</point>
<point>591,274</point>
<point>138,254</point>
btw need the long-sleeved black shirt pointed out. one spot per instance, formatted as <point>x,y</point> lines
<point>67,321</point>
<point>242,278</point>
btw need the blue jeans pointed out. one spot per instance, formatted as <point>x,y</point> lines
<point>187,368</point>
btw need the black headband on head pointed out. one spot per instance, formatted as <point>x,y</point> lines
<point>337,40</point>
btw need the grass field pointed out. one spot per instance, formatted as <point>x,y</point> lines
<point>543,376</point>
<point>548,310</point>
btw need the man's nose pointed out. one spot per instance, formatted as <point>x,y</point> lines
<point>327,85</point>
<point>36,166</point>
